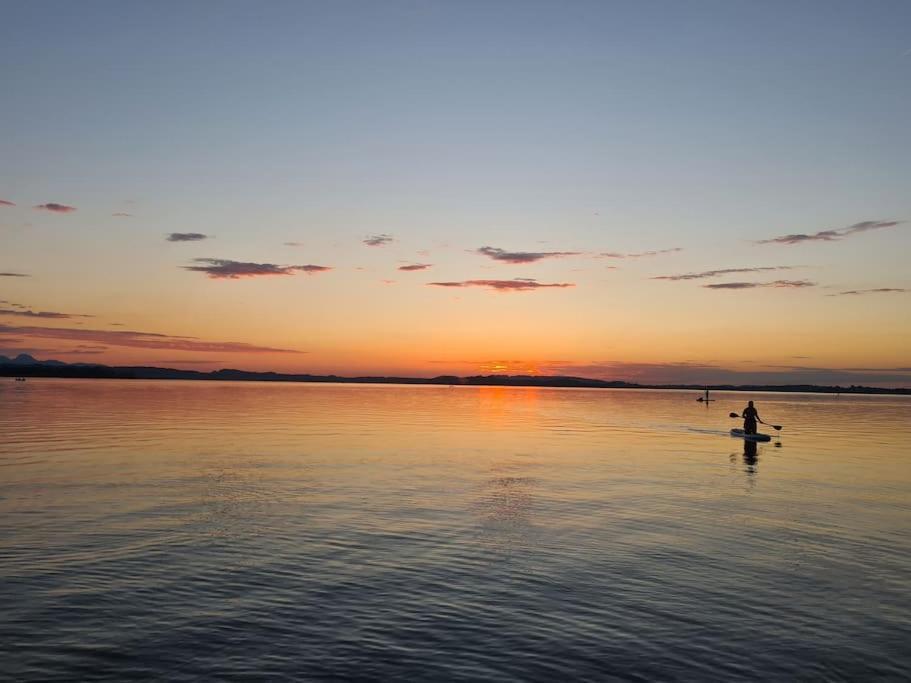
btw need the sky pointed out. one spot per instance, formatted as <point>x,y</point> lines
<point>700,192</point>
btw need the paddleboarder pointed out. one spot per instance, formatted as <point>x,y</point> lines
<point>750,415</point>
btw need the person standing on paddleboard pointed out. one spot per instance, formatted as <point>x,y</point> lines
<point>750,415</point>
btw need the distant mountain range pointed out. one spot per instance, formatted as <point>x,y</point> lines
<point>25,365</point>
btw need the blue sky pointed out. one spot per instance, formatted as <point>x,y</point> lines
<point>530,126</point>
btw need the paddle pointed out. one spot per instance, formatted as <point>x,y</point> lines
<point>777,428</point>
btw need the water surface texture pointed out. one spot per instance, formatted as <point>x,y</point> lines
<point>187,530</point>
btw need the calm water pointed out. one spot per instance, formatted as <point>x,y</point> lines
<point>186,530</point>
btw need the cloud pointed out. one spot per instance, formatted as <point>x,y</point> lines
<point>42,314</point>
<point>516,285</point>
<point>141,340</point>
<point>122,214</point>
<point>3,202</point>
<point>293,244</point>
<point>641,254</point>
<point>184,361</point>
<point>784,284</point>
<point>831,235</point>
<point>716,273</point>
<point>186,237</point>
<point>14,275</point>
<point>878,290</point>
<point>415,266</point>
<point>56,208</point>
<point>224,269</point>
<point>522,256</point>
<point>378,240</point>
<point>702,373</point>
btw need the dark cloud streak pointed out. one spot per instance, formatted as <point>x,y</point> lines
<point>186,237</point>
<point>521,257</point>
<point>777,284</point>
<point>516,285</point>
<point>56,208</point>
<point>53,315</point>
<point>225,269</point>
<point>378,240</point>
<point>830,235</point>
<point>641,254</point>
<point>716,273</point>
<point>878,290</point>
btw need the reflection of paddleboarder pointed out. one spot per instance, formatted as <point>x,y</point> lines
<point>750,415</point>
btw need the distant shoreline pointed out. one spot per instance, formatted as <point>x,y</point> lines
<point>56,369</point>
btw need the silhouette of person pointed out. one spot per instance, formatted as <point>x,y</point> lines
<point>750,415</point>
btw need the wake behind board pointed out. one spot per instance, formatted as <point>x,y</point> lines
<point>740,434</point>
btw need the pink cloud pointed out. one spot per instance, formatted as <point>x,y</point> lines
<point>142,340</point>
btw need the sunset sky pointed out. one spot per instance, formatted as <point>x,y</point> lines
<point>650,191</point>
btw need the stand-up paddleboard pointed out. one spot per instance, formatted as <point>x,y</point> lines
<point>740,434</point>
<point>706,400</point>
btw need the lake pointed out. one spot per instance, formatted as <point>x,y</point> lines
<point>214,530</point>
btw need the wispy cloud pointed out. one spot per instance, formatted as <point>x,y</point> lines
<point>56,208</point>
<point>378,240</point>
<point>14,275</point>
<point>3,202</point>
<point>517,257</point>
<point>27,313</point>
<point>641,254</point>
<point>878,290</point>
<point>186,237</point>
<point>830,235</point>
<point>716,273</point>
<point>516,285</point>
<point>691,372</point>
<point>142,340</point>
<point>293,244</point>
<point>186,361</point>
<point>122,214</point>
<point>415,266</point>
<point>782,284</point>
<point>225,269</point>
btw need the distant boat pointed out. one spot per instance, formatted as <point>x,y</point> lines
<point>20,379</point>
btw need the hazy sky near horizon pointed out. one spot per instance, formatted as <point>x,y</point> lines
<point>426,188</point>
